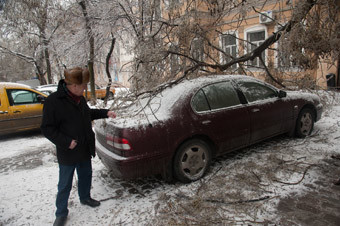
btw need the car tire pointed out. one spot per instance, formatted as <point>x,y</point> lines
<point>192,160</point>
<point>305,123</point>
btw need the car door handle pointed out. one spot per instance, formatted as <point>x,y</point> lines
<point>255,110</point>
<point>206,122</point>
<point>3,112</point>
<point>17,111</point>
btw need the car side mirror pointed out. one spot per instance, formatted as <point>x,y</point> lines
<point>41,99</point>
<point>282,94</point>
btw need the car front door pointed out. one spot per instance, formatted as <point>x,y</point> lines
<point>221,114</point>
<point>25,109</point>
<point>5,122</point>
<point>267,110</point>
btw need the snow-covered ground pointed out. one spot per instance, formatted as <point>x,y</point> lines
<point>29,176</point>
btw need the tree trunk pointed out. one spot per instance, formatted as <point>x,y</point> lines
<point>337,85</point>
<point>46,43</point>
<point>48,64</point>
<point>108,69</point>
<point>91,68</point>
<point>91,42</point>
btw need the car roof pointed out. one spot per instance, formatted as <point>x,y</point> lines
<point>47,86</point>
<point>188,85</point>
<point>13,85</point>
<point>158,107</point>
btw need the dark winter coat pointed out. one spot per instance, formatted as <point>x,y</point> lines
<point>64,120</point>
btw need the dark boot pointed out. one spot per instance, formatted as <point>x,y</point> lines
<point>60,221</point>
<point>90,202</point>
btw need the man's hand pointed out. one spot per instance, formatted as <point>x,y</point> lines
<point>111,114</point>
<point>73,144</point>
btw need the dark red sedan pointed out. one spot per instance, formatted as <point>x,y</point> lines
<point>179,131</point>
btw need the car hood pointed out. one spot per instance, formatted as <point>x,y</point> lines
<point>310,97</point>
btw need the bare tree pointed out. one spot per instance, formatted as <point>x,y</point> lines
<point>189,34</point>
<point>172,40</point>
<point>29,21</point>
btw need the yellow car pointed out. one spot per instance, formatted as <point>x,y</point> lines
<point>20,108</point>
<point>100,92</point>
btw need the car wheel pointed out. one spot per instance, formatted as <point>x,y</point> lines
<point>192,160</point>
<point>304,123</point>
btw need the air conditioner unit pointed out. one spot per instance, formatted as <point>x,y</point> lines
<point>266,17</point>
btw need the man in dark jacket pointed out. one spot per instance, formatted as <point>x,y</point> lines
<point>67,123</point>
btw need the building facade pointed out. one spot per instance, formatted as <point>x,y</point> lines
<point>231,33</point>
<point>212,34</point>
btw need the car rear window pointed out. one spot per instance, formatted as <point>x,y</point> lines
<point>221,95</point>
<point>215,96</point>
<point>199,102</point>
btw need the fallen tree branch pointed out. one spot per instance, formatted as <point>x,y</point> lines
<point>258,178</point>
<point>335,157</point>
<point>298,182</point>
<point>206,181</point>
<point>109,198</point>
<point>269,74</point>
<point>240,201</point>
<point>228,203</point>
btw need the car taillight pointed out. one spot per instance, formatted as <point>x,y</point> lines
<point>117,142</point>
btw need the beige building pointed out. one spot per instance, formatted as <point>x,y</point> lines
<point>119,66</point>
<point>238,33</point>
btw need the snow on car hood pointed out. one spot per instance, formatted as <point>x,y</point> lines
<point>291,95</point>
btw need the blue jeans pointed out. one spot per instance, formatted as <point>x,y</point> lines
<point>84,172</point>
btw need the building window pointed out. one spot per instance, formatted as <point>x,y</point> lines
<point>284,58</point>
<point>254,39</point>
<point>229,46</point>
<point>174,60</point>
<point>157,9</point>
<point>197,49</point>
<point>171,3</point>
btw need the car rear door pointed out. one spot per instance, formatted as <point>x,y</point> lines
<point>222,116</point>
<point>25,109</point>
<point>267,110</point>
